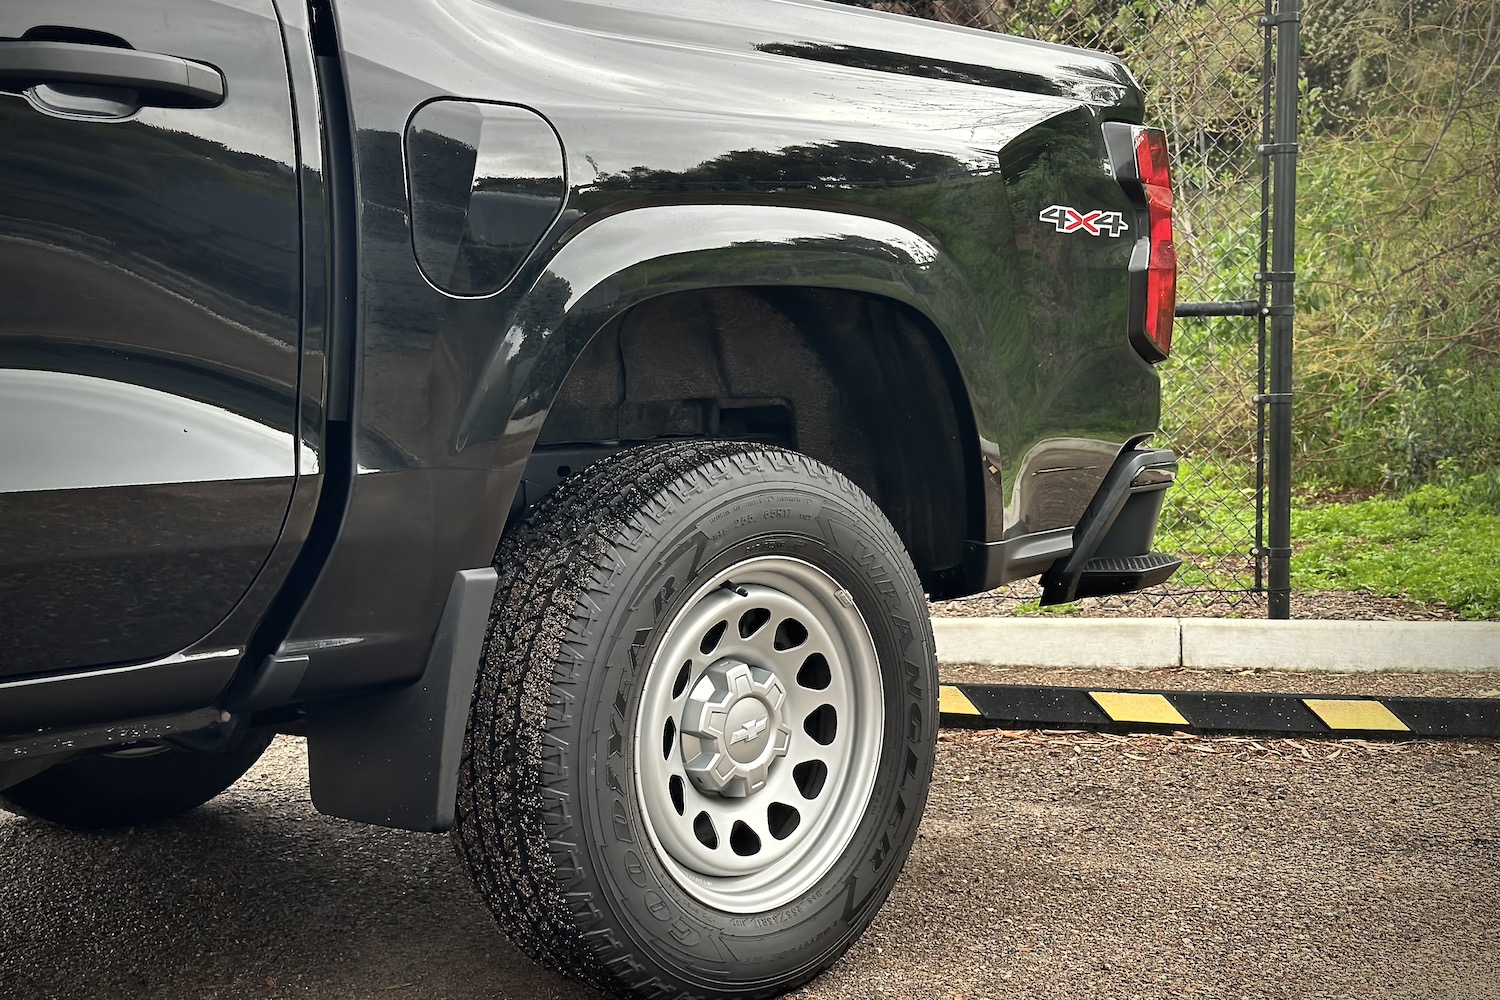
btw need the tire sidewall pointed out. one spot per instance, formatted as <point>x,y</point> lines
<point>696,534</point>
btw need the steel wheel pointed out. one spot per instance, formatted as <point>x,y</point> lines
<point>758,734</point>
<point>704,723</point>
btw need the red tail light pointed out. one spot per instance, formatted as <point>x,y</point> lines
<point>1138,156</point>
<point>1155,174</point>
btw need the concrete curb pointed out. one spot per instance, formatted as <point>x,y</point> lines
<point>1221,644</point>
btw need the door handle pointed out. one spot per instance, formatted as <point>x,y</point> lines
<point>163,81</point>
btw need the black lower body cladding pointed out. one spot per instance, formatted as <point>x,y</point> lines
<point>704,725</point>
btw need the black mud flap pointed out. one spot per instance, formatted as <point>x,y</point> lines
<point>391,758</point>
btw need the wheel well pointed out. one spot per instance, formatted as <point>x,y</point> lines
<point>860,382</point>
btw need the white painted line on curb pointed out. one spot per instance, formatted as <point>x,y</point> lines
<point>1221,644</point>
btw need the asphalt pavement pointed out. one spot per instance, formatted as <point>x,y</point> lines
<point>1048,865</point>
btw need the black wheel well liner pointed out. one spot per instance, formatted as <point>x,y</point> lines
<point>856,380</point>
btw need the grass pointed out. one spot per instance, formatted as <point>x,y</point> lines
<point>1429,546</point>
<point>1437,544</point>
<point>1209,519</point>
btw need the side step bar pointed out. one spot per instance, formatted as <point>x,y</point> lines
<point>1013,706</point>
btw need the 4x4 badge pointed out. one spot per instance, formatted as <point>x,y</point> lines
<point>1096,223</point>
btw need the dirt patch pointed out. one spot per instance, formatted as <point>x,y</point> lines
<point>1180,602</point>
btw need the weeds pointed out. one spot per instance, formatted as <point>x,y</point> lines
<point>1429,546</point>
<point>1436,544</point>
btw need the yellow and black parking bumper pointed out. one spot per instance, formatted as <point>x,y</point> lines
<point>1003,706</point>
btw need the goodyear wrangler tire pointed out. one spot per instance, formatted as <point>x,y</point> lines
<point>704,723</point>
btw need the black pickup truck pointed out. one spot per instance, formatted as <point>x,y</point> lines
<point>558,412</point>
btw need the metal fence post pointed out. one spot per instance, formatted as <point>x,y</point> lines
<point>1198,63</point>
<point>1282,280</point>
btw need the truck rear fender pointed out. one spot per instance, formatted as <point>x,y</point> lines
<point>625,260</point>
<point>400,775</point>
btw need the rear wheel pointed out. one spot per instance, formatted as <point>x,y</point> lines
<point>704,725</point>
<point>133,785</point>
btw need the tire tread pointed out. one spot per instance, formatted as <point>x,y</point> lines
<point>517,834</point>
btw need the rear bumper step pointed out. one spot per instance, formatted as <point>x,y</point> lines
<point>1112,543</point>
<point>1122,574</point>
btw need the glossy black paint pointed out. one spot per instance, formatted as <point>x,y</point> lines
<point>715,145</point>
<point>149,340</point>
<point>680,147</point>
<point>485,183</point>
<point>198,675</point>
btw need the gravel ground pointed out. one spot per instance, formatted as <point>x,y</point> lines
<point>1049,865</point>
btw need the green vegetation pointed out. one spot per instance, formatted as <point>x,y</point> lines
<point>1398,251</point>
<point>1437,544</point>
<point>1397,352</point>
<point>1399,336</point>
<point>1210,521</point>
<point>1430,546</point>
<point>1398,329</point>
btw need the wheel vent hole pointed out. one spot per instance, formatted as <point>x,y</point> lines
<point>782,819</point>
<point>753,621</point>
<point>790,634</point>
<point>668,737</point>
<point>809,777</point>
<point>683,676</point>
<point>711,640</point>
<point>822,724</point>
<point>703,829</point>
<point>815,674</point>
<point>674,789</point>
<point>743,840</point>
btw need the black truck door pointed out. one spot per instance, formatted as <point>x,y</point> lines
<point>149,322</point>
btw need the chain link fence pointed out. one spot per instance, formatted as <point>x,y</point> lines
<point>1203,65</point>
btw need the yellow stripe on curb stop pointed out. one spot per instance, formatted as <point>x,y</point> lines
<point>952,701</point>
<point>1152,708</point>
<point>1370,716</point>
